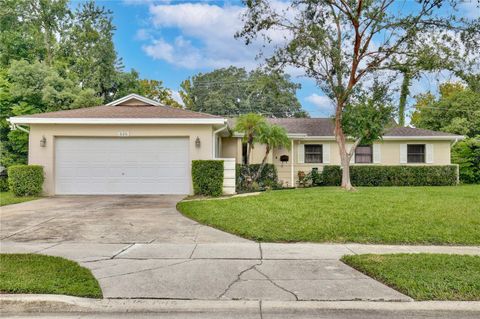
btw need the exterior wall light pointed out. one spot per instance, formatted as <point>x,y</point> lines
<point>197,142</point>
<point>43,142</point>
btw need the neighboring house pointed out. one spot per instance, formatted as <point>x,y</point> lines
<point>135,145</point>
<point>313,145</point>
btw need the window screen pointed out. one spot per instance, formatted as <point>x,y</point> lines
<point>313,153</point>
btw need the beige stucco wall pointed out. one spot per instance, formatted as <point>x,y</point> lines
<point>389,155</point>
<point>45,156</point>
<point>230,148</point>
<point>132,101</point>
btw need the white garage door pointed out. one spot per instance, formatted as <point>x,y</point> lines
<point>121,166</point>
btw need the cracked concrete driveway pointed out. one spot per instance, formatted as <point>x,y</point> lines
<point>141,247</point>
<point>105,219</point>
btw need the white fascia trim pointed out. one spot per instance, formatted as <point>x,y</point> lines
<point>134,96</point>
<point>432,138</point>
<point>396,138</point>
<point>290,135</point>
<point>26,120</point>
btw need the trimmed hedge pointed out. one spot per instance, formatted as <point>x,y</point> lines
<point>268,178</point>
<point>207,176</point>
<point>400,175</point>
<point>25,180</point>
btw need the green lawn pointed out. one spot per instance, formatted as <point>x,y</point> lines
<point>7,198</point>
<point>389,215</point>
<point>39,274</point>
<point>424,276</point>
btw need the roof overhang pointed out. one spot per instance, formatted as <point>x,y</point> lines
<point>305,137</point>
<point>293,136</point>
<point>113,121</point>
<point>431,138</point>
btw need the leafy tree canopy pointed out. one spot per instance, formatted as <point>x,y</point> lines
<point>234,91</point>
<point>367,115</point>
<point>455,110</point>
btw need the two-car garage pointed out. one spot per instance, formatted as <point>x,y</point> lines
<point>121,165</point>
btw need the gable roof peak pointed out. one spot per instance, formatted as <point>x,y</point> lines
<point>137,97</point>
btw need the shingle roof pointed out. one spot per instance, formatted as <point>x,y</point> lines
<point>309,126</point>
<point>325,127</point>
<point>131,111</point>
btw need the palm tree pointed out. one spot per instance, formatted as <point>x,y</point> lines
<point>273,136</point>
<point>250,125</point>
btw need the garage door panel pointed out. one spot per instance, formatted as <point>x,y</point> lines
<point>122,166</point>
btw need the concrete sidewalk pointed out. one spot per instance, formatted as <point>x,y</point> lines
<point>226,271</point>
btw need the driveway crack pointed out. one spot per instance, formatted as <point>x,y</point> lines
<point>190,257</point>
<point>43,249</point>
<point>277,285</point>
<point>28,228</point>
<point>238,278</point>
<point>148,269</point>
<point>122,251</point>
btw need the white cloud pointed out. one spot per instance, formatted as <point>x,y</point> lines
<point>207,36</point>
<point>176,96</point>
<point>142,35</point>
<point>322,102</point>
<point>160,49</point>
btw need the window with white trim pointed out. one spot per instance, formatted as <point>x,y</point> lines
<point>415,153</point>
<point>313,153</point>
<point>364,154</point>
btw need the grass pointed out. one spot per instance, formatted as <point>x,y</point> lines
<point>387,215</point>
<point>424,276</point>
<point>8,198</point>
<point>39,274</point>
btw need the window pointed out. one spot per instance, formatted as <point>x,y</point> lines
<point>313,153</point>
<point>363,154</point>
<point>415,153</point>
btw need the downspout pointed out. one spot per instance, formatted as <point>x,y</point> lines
<point>455,141</point>
<point>214,139</point>
<point>14,127</point>
<point>458,166</point>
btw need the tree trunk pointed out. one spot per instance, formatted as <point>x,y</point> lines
<point>404,91</point>
<point>344,156</point>
<point>262,165</point>
<point>249,152</point>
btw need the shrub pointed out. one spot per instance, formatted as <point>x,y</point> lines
<point>3,183</point>
<point>207,176</point>
<point>25,180</point>
<point>399,175</point>
<point>467,155</point>
<point>244,177</point>
<point>331,175</point>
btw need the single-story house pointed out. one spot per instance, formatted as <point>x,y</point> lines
<point>135,145</point>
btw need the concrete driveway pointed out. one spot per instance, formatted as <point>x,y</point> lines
<point>105,219</point>
<point>141,247</point>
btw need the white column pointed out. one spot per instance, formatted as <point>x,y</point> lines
<point>292,175</point>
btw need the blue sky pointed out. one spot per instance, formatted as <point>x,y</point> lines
<point>172,40</point>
